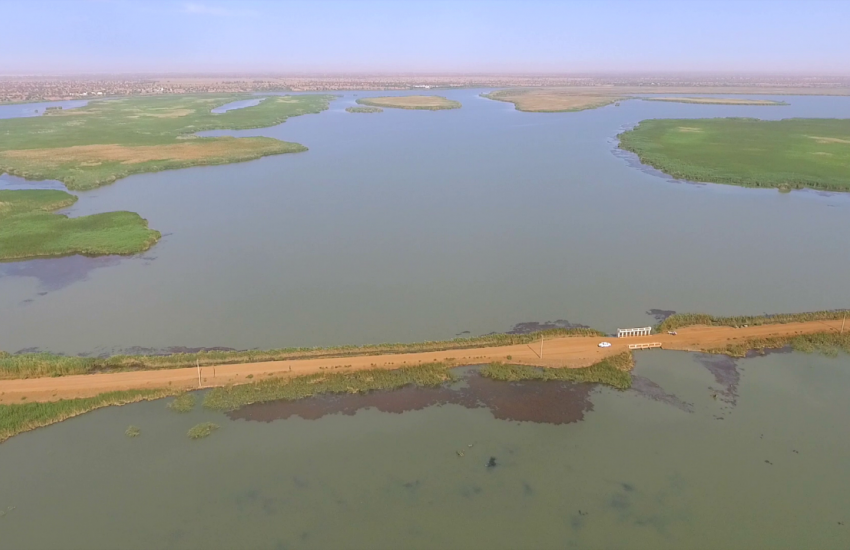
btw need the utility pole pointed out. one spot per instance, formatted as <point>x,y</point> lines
<point>541,346</point>
<point>842,323</point>
<point>198,363</point>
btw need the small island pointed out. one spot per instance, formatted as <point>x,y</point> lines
<point>364,110</point>
<point>553,100</point>
<point>715,100</point>
<point>29,229</point>
<point>417,102</point>
<point>785,154</point>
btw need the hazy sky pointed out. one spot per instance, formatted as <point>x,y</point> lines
<point>68,36</point>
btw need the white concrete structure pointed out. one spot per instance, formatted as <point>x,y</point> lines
<point>626,332</point>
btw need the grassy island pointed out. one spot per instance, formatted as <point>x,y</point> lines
<point>553,100</point>
<point>715,101</point>
<point>109,139</point>
<point>784,154</point>
<point>29,228</point>
<point>364,110</point>
<point>418,102</point>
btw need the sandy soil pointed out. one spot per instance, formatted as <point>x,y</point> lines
<point>555,100</point>
<point>561,352</point>
<point>92,155</point>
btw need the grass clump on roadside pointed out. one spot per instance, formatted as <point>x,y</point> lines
<point>183,403</point>
<point>679,320</point>
<point>19,418</point>
<point>29,228</point>
<point>133,431</point>
<point>35,365</point>
<point>416,102</point>
<point>364,110</point>
<point>202,430</point>
<point>612,371</point>
<point>791,153</point>
<point>229,398</point>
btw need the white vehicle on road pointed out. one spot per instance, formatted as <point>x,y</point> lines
<point>604,344</point>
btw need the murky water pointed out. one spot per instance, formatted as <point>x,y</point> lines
<point>681,465</point>
<point>414,225</point>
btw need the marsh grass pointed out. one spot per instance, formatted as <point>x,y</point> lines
<point>229,398</point>
<point>790,153</point>
<point>35,365</point>
<point>364,109</point>
<point>202,430</point>
<point>19,418</point>
<point>679,320</point>
<point>133,431</point>
<point>827,343</point>
<point>612,371</point>
<point>183,403</point>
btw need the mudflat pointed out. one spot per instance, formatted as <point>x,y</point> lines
<point>575,352</point>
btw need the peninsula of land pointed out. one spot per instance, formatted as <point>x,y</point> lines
<point>416,102</point>
<point>784,154</point>
<point>716,100</point>
<point>543,100</point>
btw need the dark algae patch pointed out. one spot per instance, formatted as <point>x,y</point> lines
<point>525,401</point>
<point>785,154</point>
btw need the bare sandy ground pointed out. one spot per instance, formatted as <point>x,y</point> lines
<point>560,352</point>
<point>411,102</point>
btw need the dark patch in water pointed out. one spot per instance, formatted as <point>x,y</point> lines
<point>463,333</point>
<point>526,489</point>
<point>660,314</point>
<point>768,351</point>
<point>491,463</point>
<point>726,374</point>
<point>57,273</point>
<point>546,402</point>
<point>535,326</point>
<point>649,389</point>
<point>627,487</point>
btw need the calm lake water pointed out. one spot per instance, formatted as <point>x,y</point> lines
<point>414,225</point>
<point>733,456</point>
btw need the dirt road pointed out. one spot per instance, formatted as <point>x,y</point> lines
<point>561,352</point>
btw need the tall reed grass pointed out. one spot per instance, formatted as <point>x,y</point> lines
<point>679,320</point>
<point>612,371</point>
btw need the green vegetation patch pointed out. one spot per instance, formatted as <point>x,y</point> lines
<point>202,430</point>
<point>612,371</point>
<point>133,431</point>
<point>36,365</point>
<point>364,109</point>
<point>679,320</point>
<point>416,102</point>
<point>19,418</point>
<point>233,397</point>
<point>29,229</point>
<point>827,343</point>
<point>113,138</point>
<point>717,101</point>
<point>793,153</point>
<point>183,403</point>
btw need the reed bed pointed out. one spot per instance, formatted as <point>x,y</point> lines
<point>183,403</point>
<point>36,365</point>
<point>679,320</point>
<point>612,371</point>
<point>230,398</point>
<point>133,431</point>
<point>202,430</point>
<point>23,417</point>
<point>827,343</point>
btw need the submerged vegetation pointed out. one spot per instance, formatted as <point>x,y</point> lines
<point>35,365</point>
<point>19,418</point>
<point>364,109</point>
<point>786,154</point>
<point>183,403</point>
<point>679,320</point>
<point>229,398</point>
<point>110,139</point>
<point>133,431</point>
<point>30,229</point>
<point>417,102</point>
<point>612,371</point>
<point>202,430</point>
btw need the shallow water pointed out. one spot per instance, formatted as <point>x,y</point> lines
<point>765,471</point>
<point>413,225</point>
